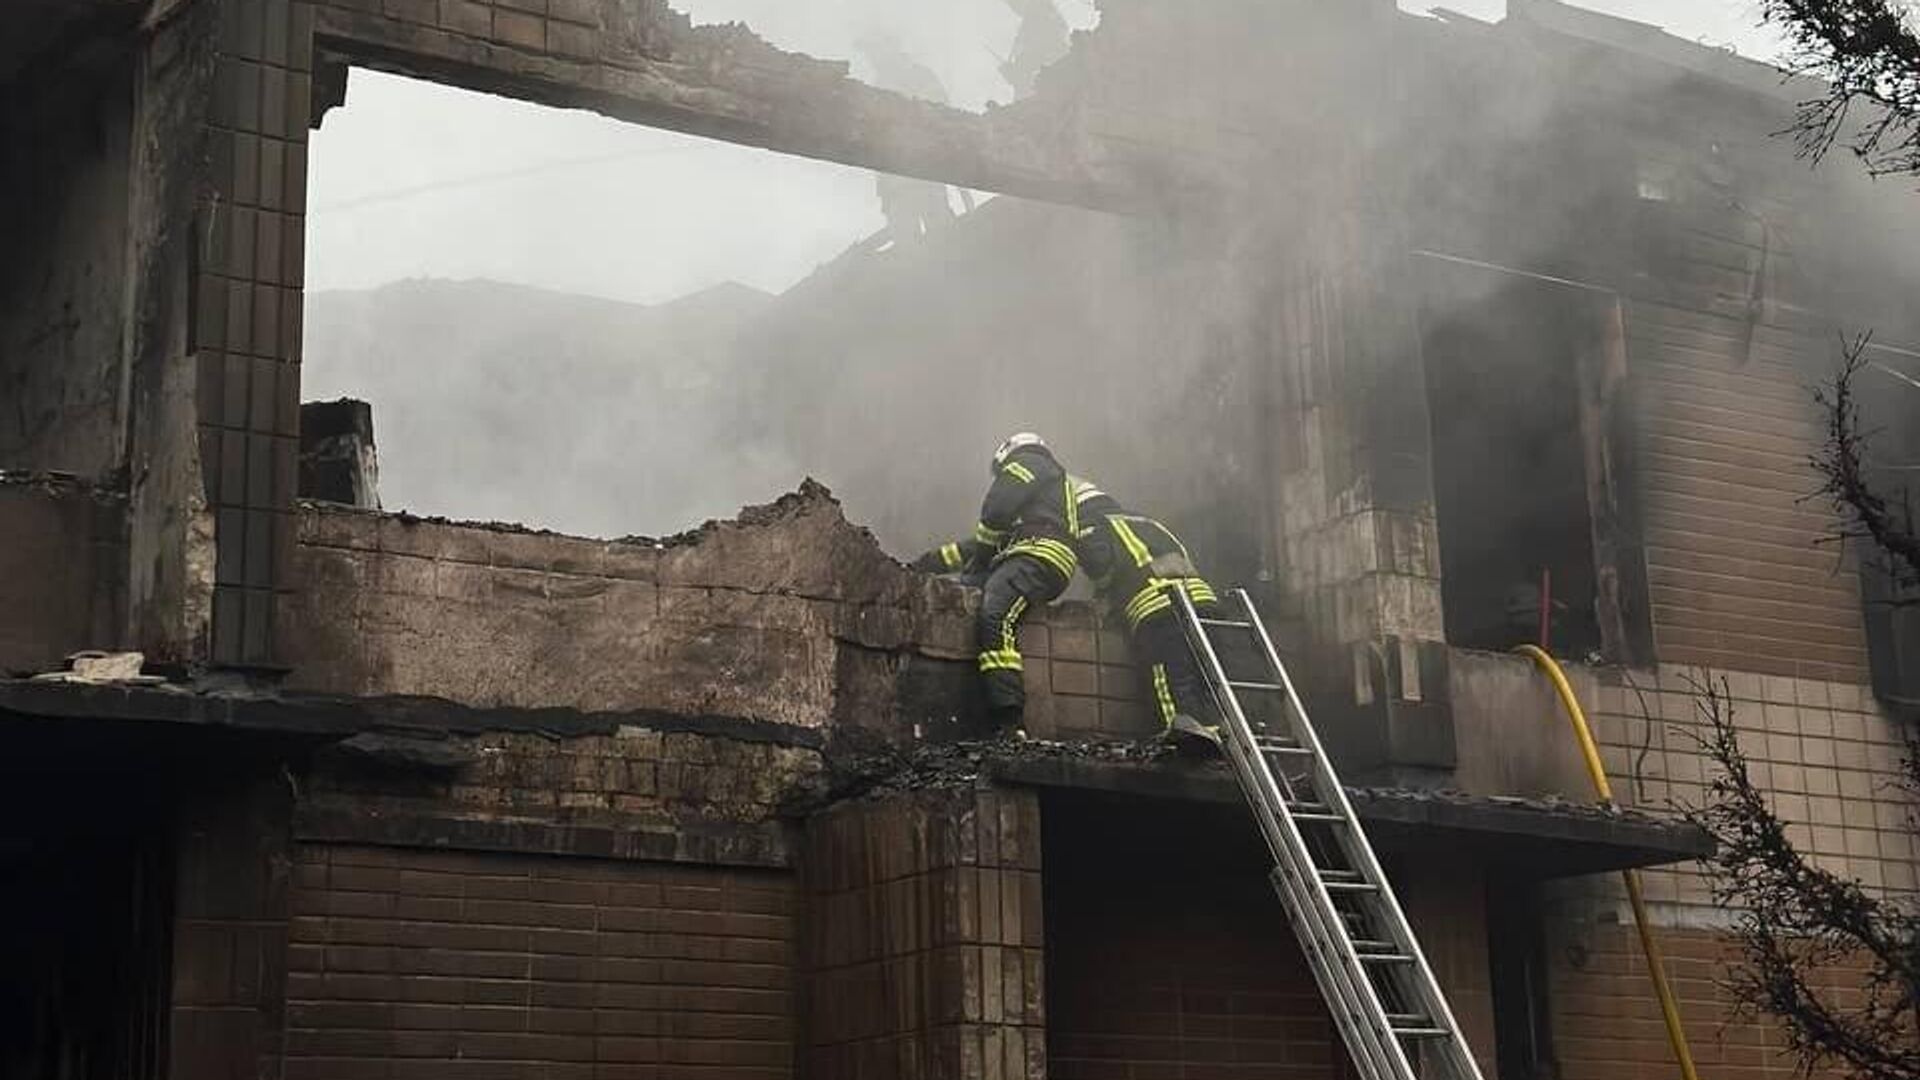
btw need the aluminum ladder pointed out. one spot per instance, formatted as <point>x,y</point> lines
<point>1376,981</point>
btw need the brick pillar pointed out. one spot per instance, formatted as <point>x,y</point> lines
<point>922,944</point>
<point>1357,518</point>
<point>230,932</point>
<point>247,329</point>
<point>218,259</point>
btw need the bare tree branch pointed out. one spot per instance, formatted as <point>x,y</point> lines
<point>1796,919</point>
<point>1841,465</point>
<point>1868,54</point>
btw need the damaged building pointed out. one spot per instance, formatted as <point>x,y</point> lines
<point>392,797</point>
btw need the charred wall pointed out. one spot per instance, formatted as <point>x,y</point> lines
<point>169,331</point>
<point>788,615</point>
<point>61,570</point>
<point>1168,952</point>
<point>64,203</point>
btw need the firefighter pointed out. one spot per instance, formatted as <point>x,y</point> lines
<point>1136,565</point>
<point>1024,546</point>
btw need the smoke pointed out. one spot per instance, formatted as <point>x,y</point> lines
<point>1296,151</point>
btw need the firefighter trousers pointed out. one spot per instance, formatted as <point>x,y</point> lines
<point>1174,682</point>
<point>1016,584</point>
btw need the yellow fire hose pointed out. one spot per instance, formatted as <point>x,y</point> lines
<point>1669,1009</point>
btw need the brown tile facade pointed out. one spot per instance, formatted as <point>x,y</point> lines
<point>246,313</point>
<point>1739,573</point>
<point>1168,955</point>
<point>924,939</point>
<point>422,964</point>
<point>1607,1025</point>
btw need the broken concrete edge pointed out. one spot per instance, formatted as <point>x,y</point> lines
<point>61,484</point>
<point>809,496</point>
<point>1155,770</point>
<point>327,717</point>
<point>695,841</point>
<point>779,509</point>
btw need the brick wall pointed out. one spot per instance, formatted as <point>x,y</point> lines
<point>1607,1025</point>
<point>1081,682</point>
<point>246,321</point>
<point>1829,760</point>
<point>419,963</point>
<point>924,940</point>
<point>631,793</point>
<point>1739,574</point>
<point>788,615</point>
<point>231,883</point>
<point>1826,753</point>
<point>809,622</point>
<point>1168,954</point>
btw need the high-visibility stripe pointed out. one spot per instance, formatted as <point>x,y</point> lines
<point>1138,613</point>
<point>1019,472</point>
<point>1082,493</point>
<point>1157,596</point>
<point>987,534</point>
<point>1047,550</point>
<point>1000,660</point>
<point>1072,507</point>
<point>1131,541</point>
<point>1163,693</point>
<point>1010,626</point>
<point>950,555</point>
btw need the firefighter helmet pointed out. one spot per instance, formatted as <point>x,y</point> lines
<point>1012,443</point>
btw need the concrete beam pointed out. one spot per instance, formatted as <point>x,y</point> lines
<point>638,60</point>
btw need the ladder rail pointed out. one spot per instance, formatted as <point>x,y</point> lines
<point>1378,1054</point>
<point>1367,1024</point>
<point>1440,1010</point>
<point>1343,984</point>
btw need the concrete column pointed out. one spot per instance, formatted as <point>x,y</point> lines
<point>922,944</point>
<point>1356,506</point>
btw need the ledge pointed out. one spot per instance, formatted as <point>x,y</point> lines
<point>1529,838</point>
<point>333,716</point>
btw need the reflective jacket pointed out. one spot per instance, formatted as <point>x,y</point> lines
<point>1135,562</point>
<point>1029,510</point>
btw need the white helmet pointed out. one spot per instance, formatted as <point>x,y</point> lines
<point>1015,442</point>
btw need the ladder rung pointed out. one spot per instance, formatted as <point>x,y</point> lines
<point>1237,624</point>
<point>1278,746</point>
<point>1318,814</point>
<point>1349,886</point>
<point>1263,687</point>
<point>1385,957</point>
<point>1422,1033</point>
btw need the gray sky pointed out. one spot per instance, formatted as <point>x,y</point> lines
<point>416,180</point>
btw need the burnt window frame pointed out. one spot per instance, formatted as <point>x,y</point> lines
<point>1605,407</point>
